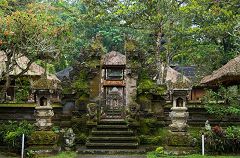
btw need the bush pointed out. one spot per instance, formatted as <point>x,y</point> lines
<point>160,150</point>
<point>12,131</point>
<point>223,141</point>
<point>148,125</point>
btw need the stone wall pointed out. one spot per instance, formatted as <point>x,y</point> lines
<point>131,87</point>
<point>197,114</point>
<point>25,113</point>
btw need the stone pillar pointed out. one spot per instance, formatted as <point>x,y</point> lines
<point>131,87</point>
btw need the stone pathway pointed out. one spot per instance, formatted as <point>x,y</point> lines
<point>111,156</point>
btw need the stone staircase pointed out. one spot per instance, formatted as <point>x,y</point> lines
<point>112,136</point>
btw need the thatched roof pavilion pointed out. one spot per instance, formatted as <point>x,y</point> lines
<point>34,69</point>
<point>228,74</point>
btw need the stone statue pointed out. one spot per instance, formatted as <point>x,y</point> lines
<point>207,126</point>
<point>133,112</point>
<point>92,112</point>
<point>69,138</point>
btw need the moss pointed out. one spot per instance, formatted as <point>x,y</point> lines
<point>44,83</point>
<point>148,125</point>
<point>151,140</point>
<point>79,124</point>
<point>144,101</point>
<point>43,138</point>
<point>25,105</point>
<point>179,139</point>
<point>81,138</point>
<point>82,101</point>
<point>81,85</point>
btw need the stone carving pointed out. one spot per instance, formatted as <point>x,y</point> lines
<point>69,138</point>
<point>114,100</point>
<point>92,112</point>
<point>207,126</point>
<point>133,112</point>
<point>179,118</point>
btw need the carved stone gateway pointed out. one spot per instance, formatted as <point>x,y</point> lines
<point>118,87</point>
<point>179,114</point>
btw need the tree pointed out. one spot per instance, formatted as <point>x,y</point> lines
<point>210,33</point>
<point>154,18</point>
<point>33,33</point>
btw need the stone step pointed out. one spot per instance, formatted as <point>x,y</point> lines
<point>84,150</point>
<point>113,139</point>
<point>112,127</point>
<point>114,110</point>
<point>111,121</point>
<point>112,133</point>
<point>112,145</point>
<point>113,113</point>
<point>112,117</point>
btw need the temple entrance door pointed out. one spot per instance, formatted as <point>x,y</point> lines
<point>114,100</point>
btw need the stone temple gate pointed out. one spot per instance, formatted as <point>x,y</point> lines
<point>118,87</point>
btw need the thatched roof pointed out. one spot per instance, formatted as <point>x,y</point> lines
<point>227,74</point>
<point>46,83</point>
<point>34,69</point>
<point>114,58</point>
<point>173,76</point>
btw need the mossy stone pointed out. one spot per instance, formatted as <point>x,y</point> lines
<point>43,138</point>
<point>179,139</point>
<point>81,138</point>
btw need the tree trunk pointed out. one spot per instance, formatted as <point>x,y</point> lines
<point>158,51</point>
<point>6,76</point>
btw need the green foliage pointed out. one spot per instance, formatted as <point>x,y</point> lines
<point>65,154</point>
<point>229,106</point>
<point>223,141</point>
<point>148,125</point>
<point>151,140</point>
<point>22,90</point>
<point>159,150</point>
<point>146,86</point>
<point>81,85</point>
<point>43,138</point>
<point>151,132</point>
<point>179,139</point>
<point>11,133</point>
